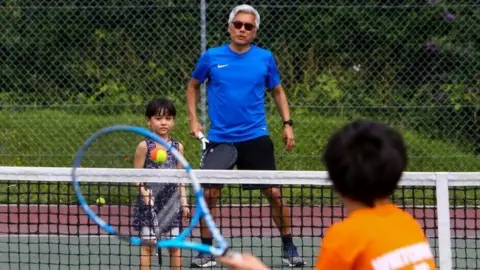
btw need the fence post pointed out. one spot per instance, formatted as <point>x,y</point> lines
<point>443,214</point>
<point>203,47</point>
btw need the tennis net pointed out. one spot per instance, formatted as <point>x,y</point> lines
<point>41,226</point>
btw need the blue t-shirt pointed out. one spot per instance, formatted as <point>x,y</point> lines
<point>236,91</point>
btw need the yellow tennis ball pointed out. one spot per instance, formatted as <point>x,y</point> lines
<point>158,155</point>
<point>100,200</point>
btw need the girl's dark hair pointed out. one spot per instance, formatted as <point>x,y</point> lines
<point>160,107</point>
<point>365,161</point>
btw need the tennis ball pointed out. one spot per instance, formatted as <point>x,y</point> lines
<point>100,200</point>
<point>158,155</point>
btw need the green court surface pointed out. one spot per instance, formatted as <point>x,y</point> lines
<point>103,252</point>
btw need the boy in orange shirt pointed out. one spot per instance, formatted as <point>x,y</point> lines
<point>365,161</point>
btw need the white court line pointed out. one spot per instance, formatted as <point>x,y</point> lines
<point>416,206</point>
<point>55,236</point>
<point>224,205</point>
<point>113,236</point>
<point>3,236</point>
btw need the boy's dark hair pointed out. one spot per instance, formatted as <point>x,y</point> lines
<point>365,161</point>
<point>160,107</point>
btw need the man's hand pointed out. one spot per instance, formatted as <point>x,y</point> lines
<point>243,262</point>
<point>195,127</point>
<point>288,137</point>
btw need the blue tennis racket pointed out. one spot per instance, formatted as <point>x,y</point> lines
<point>201,209</point>
<point>217,156</point>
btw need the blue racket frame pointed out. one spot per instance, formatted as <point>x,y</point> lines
<point>202,210</point>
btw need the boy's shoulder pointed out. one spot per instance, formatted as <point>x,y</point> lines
<point>344,239</point>
<point>342,231</point>
<point>364,225</point>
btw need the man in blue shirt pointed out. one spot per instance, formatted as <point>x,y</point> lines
<point>238,74</point>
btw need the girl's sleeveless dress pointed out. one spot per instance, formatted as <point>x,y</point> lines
<point>162,192</point>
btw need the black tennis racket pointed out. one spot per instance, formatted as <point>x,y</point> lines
<point>217,156</point>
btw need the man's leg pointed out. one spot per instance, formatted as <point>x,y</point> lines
<point>259,154</point>
<point>280,213</point>
<point>281,216</point>
<point>211,195</point>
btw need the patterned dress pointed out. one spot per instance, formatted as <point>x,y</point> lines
<point>162,192</point>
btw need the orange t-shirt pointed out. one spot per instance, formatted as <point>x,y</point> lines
<point>380,238</point>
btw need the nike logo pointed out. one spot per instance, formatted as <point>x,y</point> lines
<point>222,66</point>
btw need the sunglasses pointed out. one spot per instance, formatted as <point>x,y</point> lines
<point>238,25</point>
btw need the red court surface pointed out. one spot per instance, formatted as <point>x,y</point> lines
<point>235,221</point>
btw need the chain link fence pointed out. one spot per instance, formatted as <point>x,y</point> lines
<point>69,68</point>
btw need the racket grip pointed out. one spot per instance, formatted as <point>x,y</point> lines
<point>202,138</point>
<point>200,135</point>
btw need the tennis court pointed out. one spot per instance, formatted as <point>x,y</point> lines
<point>53,239</point>
<point>101,252</point>
<point>56,236</point>
<point>51,247</point>
<point>104,252</point>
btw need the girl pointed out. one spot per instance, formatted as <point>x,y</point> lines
<point>160,115</point>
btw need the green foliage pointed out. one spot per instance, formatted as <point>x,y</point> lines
<point>58,134</point>
<point>401,62</point>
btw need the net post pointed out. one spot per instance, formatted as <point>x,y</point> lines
<point>443,214</point>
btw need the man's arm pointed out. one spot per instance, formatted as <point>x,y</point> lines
<point>199,75</point>
<point>281,102</point>
<point>274,83</point>
<point>193,89</point>
<point>282,106</point>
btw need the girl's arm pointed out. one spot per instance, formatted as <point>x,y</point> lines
<point>139,161</point>
<point>183,193</point>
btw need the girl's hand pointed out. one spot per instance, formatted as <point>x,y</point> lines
<point>186,213</point>
<point>148,198</point>
<point>148,201</point>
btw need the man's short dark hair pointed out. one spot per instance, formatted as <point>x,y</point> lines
<point>365,161</point>
<point>160,107</point>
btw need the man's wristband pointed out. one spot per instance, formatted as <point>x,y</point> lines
<point>288,122</point>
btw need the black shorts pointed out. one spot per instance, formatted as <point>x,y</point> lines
<point>254,154</point>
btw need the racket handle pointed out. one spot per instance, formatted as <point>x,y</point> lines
<point>202,138</point>
<point>200,135</point>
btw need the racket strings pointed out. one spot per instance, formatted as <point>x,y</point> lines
<point>222,156</point>
<point>120,209</point>
<point>168,211</point>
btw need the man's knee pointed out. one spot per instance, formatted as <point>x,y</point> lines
<point>211,193</point>
<point>273,193</point>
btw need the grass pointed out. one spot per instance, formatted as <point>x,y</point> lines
<point>51,138</point>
